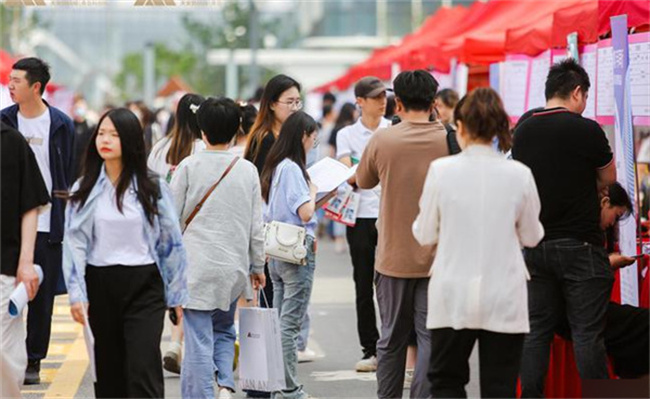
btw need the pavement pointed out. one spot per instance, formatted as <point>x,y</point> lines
<point>65,373</point>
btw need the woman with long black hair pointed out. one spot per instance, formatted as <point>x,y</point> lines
<point>123,259</point>
<point>291,198</point>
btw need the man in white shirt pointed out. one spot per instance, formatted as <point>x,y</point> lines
<point>50,134</point>
<point>362,237</point>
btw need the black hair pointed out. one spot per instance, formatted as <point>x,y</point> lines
<point>346,116</point>
<point>329,97</point>
<point>185,130</point>
<point>415,89</point>
<point>618,197</point>
<point>249,114</point>
<point>36,70</point>
<point>564,77</point>
<point>448,97</point>
<point>266,117</point>
<point>219,119</point>
<point>390,107</point>
<point>327,109</point>
<point>134,162</point>
<point>288,145</point>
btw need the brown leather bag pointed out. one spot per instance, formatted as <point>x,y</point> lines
<point>198,206</point>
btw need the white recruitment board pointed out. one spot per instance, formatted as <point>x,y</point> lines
<point>539,67</point>
<point>639,74</point>
<point>515,87</point>
<point>589,61</point>
<point>605,83</point>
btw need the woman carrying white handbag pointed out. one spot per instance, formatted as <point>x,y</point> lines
<point>291,199</point>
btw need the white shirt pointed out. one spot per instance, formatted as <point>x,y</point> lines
<point>157,160</point>
<point>480,209</point>
<point>37,133</point>
<point>350,142</point>
<point>119,237</point>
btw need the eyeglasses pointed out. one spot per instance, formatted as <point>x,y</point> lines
<point>296,104</point>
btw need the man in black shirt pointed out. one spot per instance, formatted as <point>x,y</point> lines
<point>570,273</point>
<point>23,192</point>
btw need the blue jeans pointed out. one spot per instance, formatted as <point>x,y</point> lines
<point>572,279</point>
<point>303,337</point>
<point>209,346</point>
<point>292,286</point>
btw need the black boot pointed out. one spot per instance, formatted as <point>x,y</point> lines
<point>32,373</point>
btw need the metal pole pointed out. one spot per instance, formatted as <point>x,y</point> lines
<point>382,20</point>
<point>253,38</point>
<point>149,74</point>
<point>232,81</point>
<point>416,14</point>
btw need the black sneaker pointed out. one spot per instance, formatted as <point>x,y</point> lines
<point>32,373</point>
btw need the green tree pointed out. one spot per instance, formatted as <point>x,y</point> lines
<point>168,63</point>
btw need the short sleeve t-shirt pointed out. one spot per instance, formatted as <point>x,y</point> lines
<point>565,152</point>
<point>289,190</point>
<point>22,190</point>
<point>37,133</point>
<point>351,142</point>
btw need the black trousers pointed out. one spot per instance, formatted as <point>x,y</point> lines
<point>126,312</point>
<point>499,361</point>
<point>39,316</point>
<point>362,239</point>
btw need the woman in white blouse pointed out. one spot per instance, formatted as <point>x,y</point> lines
<point>183,141</point>
<point>480,209</point>
<point>123,259</point>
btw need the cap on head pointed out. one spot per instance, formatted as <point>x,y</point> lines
<point>369,87</point>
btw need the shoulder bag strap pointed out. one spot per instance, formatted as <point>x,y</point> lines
<point>205,197</point>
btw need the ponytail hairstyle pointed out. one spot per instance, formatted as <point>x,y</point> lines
<point>289,145</point>
<point>484,117</point>
<point>186,129</point>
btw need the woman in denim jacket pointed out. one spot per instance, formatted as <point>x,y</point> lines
<point>123,259</point>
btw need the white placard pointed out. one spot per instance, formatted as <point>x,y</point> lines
<point>639,75</point>
<point>605,84</point>
<point>328,174</point>
<point>539,67</point>
<point>514,94</point>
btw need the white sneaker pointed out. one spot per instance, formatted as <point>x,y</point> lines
<point>306,356</point>
<point>367,365</point>
<point>224,393</point>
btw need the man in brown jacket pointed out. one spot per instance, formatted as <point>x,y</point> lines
<point>398,158</point>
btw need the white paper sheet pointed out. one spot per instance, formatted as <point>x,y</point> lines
<point>640,78</point>
<point>589,62</point>
<point>90,347</point>
<point>539,71</point>
<point>328,174</point>
<point>605,84</point>
<point>515,86</point>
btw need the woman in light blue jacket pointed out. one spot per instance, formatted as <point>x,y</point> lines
<point>123,259</point>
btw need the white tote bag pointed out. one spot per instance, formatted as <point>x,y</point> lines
<point>261,362</point>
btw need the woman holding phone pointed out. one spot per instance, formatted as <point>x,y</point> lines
<point>123,293</point>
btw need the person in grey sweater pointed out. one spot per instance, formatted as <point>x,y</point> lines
<point>224,244</point>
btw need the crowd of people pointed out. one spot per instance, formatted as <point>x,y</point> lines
<point>466,230</point>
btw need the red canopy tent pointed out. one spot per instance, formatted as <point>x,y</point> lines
<point>6,62</point>
<point>380,63</point>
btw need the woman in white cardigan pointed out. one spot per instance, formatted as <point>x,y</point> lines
<point>480,209</point>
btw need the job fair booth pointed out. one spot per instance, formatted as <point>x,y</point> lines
<point>510,46</point>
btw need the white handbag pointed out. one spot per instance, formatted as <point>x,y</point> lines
<point>285,242</point>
